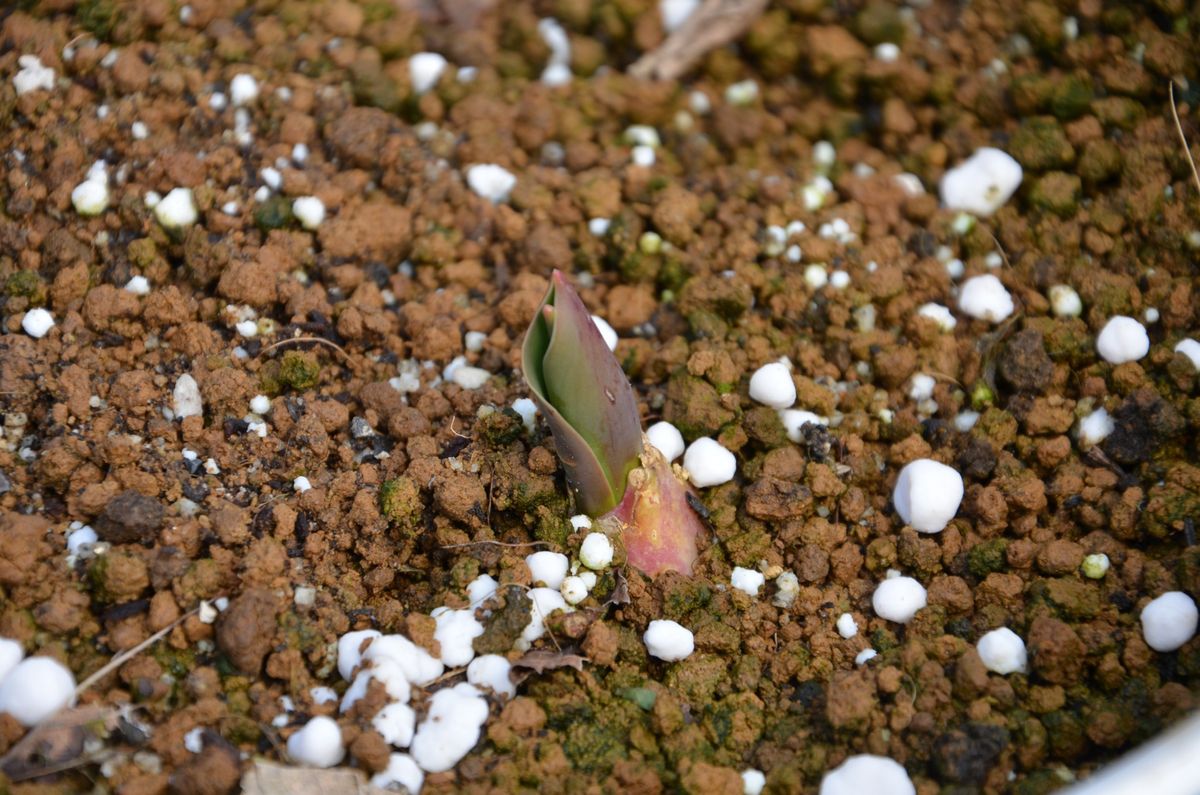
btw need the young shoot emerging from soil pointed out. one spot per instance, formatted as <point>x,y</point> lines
<point>589,404</point>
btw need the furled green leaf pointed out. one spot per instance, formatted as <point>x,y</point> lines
<point>585,397</point>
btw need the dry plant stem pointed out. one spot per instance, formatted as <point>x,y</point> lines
<point>294,340</point>
<point>1182,138</point>
<point>121,658</point>
<point>714,24</point>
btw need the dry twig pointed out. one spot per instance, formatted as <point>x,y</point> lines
<point>714,24</point>
<point>121,658</point>
<point>1182,138</point>
<point>294,340</point>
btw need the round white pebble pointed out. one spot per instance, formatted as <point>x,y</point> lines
<point>1169,621</point>
<point>753,781</point>
<point>547,568</point>
<point>309,211</point>
<point>898,599</point>
<point>35,689</point>
<point>747,581</point>
<point>927,495</point>
<point>985,297</point>
<point>708,463</point>
<point>667,439</point>
<point>37,322</point>
<point>318,744</point>
<point>1191,349</point>
<point>260,404</point>
<point>606,331</point>
<point>574,590</point>
<point>668,640</point>
<point>1122,339</point>
<point>867,773</point>
<point>301,484</point>
<point>1002,651</point>
<point>11,653</point>
<point>1064,301</point>
<point>596,551</point>
<point>772,386</point>
<point>243,89</point>
<point>90,197</point>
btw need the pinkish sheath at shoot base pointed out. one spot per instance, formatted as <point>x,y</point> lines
<point>589,405</point>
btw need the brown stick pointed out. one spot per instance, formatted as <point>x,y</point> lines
<point>714,24</point>
<point>1182,138</point>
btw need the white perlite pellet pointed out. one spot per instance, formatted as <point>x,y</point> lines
<point>748,581</point>
<point>35,689</point>
<point>32,76</point>
<point>1064,301</point>
<point>667,439</point>
<point>1191,349</point>
<point>424,70</point>
<point>317,744</point>
<point>37,322</point>
<point>927,495</point>
<point>492,671</point>
<point>1002,651</point>
<point>606,331</point>
<point>772,386</point>
<point>1169,621</point>
<point>186,397</point>
<point>547,568</point>
<point>1095,428</point>
<point>177,209</point>
<point>450,729</point>
<point>867,774</point>
<point>668,640</point>
<point>898,599</point>
<point>982,183</point>
<point>90,197</point>
<point>1123,339</point>
<point>573,589</point>
<point>243,89</point>
<point>401,771</point>
<point>456,630</point>
<point>491,182</point>
<point>940,315</point>
<point>675,12</point>
<point>596,551</point>
<point>846,626</point>
<point>708,463</point>
<point>309,211</point>
<point>138,285</point>
<point>985,297</point>
<point>794,421</point>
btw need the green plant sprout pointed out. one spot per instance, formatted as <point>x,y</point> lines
<point>613,471</point>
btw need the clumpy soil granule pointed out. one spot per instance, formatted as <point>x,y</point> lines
<point>780,199</point>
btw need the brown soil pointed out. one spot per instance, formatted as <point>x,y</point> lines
<point>414,495</point>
